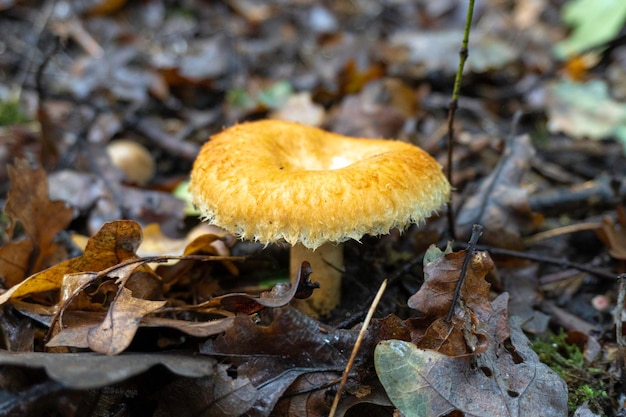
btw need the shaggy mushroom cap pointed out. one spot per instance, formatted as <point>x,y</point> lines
<point>271,180</point>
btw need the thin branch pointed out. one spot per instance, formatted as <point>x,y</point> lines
<point>454,103</point>
<point>357,345</point>
<point>477,231</point>
<point>563,263</point>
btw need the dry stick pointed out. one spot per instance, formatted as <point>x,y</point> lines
<point>463,55</point>
<point>357,345</point>
<point>477,231</point>
<point>559,231</point>
<point>39,26</point>
<point>600,273</point>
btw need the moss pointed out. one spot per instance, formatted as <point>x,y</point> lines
<point>11,113</point>
<point>586,382</point>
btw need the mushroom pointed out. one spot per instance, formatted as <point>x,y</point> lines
<point>273,181</point>
<point>133,159</point>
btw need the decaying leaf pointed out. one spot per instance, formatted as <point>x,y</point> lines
<point>462,334</point>
<point>115,242</point>
<point>424,51</point>
<point>293,358</point>
<point>501,203</point>
<point>117,330</point>
<point>221,395</point>
<point>28,203</point>
<point>90,370</point>
<point>262,354</point>
<point>585,110</point>
<point>613,234</point>
<point>506,380</point>
<point>279,296</point>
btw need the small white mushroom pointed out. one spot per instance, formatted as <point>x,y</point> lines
<point>133,159</point>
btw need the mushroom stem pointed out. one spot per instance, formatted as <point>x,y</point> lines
<point>327,264</point>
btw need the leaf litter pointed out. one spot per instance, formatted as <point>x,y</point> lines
<point>356,68</point>
<point>502,377</point>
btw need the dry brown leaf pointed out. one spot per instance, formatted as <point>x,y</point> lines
<point>115,242</point>
<point>261,353</point>
<point>221,395</point>
<point>507,379</point>
<point>614,237</point>
<point>14,260</point>
<point>433,301</point>
<point>28,203</point>
<point>117,330</point>
<point>192,328</point>
<point>156,243</point>
<point>501,204</point>
<point>78,324</point>
<point>435,296</point>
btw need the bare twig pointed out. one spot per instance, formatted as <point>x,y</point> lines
<point>39,26</point>
<point>477,231</point>
<point>563,263</point>
<point>463,55</point>
<point>170,143</point>
<point>599,193</point>
<point>357,345</point>
<point>559,231</point>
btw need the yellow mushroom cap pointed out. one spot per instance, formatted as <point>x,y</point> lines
<point>271,180</point>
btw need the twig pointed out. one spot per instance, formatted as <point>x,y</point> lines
<point>50,131</point>
<point>167,142</point>
<point>39,27</point>
<point>357,345</point>
<point>477,231</point>
<point>463,55</point>
<point>559,231</point>
<point>567,320</point>
<point>600,273</point>
<point>599,193</point>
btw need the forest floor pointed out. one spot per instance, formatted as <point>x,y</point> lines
<point>104,106</point>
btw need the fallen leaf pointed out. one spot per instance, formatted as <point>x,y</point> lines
<point>523,281</point>
<point>462,334</point>
<point>14,260</point>
<point>115,242</point>
<point>585,110</point>
<point>300,108</point>
<point>506,380</point>
<point>424,51</point>
<point>613,234</point>
<point>280,295</point>
<point>261,353</point>
<point>594,22</point>
<point>78,324</point>
<point>367,114</point>
<point>220,395</point>
<point>117,330</point>
<point>28,203</point>
<point>500,203</point>
<point>434,298</point>
<point>192,328</point>
<point>89,370</point>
